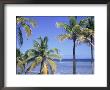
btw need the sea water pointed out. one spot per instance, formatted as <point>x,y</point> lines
<point>67,67</point>
<point>83,66</point>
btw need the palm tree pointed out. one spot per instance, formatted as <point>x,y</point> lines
<point>90,25</point>
<point>73,30</point>
<point>23,58</point>
<point>43,56</point>
<point>23,23</point>
<point>20,62</point>
<point>88,33</point>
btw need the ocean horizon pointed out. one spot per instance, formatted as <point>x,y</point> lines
<point>80,60</point>
<point>65,66</point>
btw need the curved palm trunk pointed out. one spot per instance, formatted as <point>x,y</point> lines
<point>92,57</point>
<point>74,61</point>
<point>42,64</point>
<point>92,44</point>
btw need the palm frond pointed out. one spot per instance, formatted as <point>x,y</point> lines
<point>25,56</point>
<point>60,24</point>
<point>72,21</point>
<point>87,32</point>
<point>55,56</point>
<point>32,22</point>
<point>83,23</point>
<point>36,45</point>
<point>42,43</point>
<point>19,37</point>
<point>53,50</point>
<point>27,30</point>
<point>20,64</point>
<point>37,61</point>
<point>31,53</point>
<point>80,39</point>
<point>19,19</point>
<point>18,52</point>
<point>64,26</point>
<point>83,39</point>
<point>64,36</point>
<point>90,24</point>
<point>76,29</point>
<point>87,22</point>
<point>45,42</point>
<point>23,22</point>
<point>30,59</point>
<point>40,39</point>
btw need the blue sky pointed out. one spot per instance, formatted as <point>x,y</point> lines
<point>46,26</point>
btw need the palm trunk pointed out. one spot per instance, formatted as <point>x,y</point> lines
<point>92,44</point>
<point>42,64</point>
<point>92,57</point>
<point>74,61</point>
